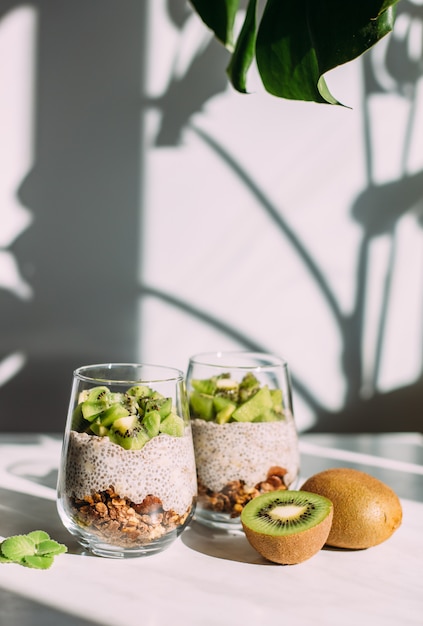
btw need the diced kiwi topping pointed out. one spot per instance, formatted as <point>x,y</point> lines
<point>222,399</point>
<point>129,419</point>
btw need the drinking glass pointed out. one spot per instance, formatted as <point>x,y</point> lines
<point>245,438</point>
<point>127,480</point>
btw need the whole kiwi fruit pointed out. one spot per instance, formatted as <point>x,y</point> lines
<point>366,512</point>
<point>287,527</point>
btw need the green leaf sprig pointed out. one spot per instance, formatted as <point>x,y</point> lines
<point>296,42</point>
<point>35,550</point>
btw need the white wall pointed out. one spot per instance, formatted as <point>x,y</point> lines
<point>210,242</point>
<point>294,228</point>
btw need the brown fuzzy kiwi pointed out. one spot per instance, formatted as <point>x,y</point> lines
<point>366,512</point>
<point>287,527</point>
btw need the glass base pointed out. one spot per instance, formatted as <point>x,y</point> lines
<point>99,545</point>
<point>99,548</point>
<point>222,521</point>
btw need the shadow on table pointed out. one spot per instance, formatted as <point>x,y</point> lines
<point>231,546</point>
<point>19,611</point>
<point>21,513</point>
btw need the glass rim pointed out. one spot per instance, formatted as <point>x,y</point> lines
<point>163,374</point>
<point>268,360</point>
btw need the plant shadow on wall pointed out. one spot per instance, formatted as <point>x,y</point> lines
<point>62,305</point>
<point>378,210</point>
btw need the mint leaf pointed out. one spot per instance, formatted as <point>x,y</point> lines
<point>38,562</point>
<point>35,550</point>
<point>17,547</point>
<point>50,547</point>
<point>4,559</point>
<point>38,536</point>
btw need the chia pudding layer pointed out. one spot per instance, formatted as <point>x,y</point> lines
<point>244,451</point>
<point>164,468</point>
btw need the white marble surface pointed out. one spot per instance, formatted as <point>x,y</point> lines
<point>207,578</point>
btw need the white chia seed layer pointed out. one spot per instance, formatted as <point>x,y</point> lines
<point>164,467</point>
<point>244,451</point>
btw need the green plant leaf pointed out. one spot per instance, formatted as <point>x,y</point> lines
<point>300,40</point>
<point>38,562</point>
<point>38,536</point>
<point>35,550</point>
<point>244,49</point>
<point>339,37</point>
<point>297,41</point>
<point>4,559</point>
<point>219,16</point>
<point>50,547</point>
<point>17,547</point>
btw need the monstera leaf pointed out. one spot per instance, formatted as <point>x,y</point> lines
<point>295,42</point>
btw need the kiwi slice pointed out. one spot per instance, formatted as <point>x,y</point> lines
<point>129,433</point>
<point>248,387</point>
<point>100,425</point>
<point>151,422</point>
<point>98,393</point>
<point>98,429</point>
<point>224,409</point>
<point>277,400</point>
<point>267,415</point>
<point>225,414</point>
<point>139,391</point>
<point>255,406</point>
<point>287,527</point>
<point>228,388</point>
<point>202,405</point>
<point>112,413</point>
<point>172,425</point>
<point>96,402</point>
<point>160,404</point>
<point>79,423</point>
<point>206,385</point>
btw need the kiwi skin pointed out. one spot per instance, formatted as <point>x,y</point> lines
<point>366,512</point>
<point>293,548</point>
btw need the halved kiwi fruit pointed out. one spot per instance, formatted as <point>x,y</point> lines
<point>366,511</point>
<point>287,527</point>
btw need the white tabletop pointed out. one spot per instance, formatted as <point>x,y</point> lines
<point>209,578</point>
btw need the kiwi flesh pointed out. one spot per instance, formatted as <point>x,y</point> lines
<point>366,511</point>
<point>151,422</point>
<point>139,391</point>
<point>222,399</point>
<point>287,527</point>
<point>206,385</point>
<point>97,400</point>
<point>79,423</point>
<point>112,413</point>
<point>129,418</point>
<point>172,425</point>
<point>129,433</point>
<point>161,404</point>
<point>202,405</point>
<point>254,406</point>
<point>248,387</point>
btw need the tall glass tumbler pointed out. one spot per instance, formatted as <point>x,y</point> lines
<point>127,481</point>
<point>245,438</point>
